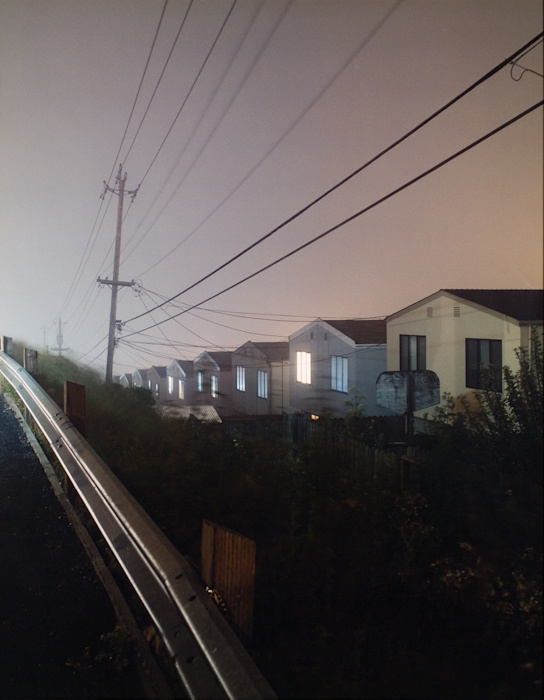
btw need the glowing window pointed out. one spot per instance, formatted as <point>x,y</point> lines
<point>304,367</point>
<point>240,378</point>
<point>214,387</point>
<point>170,385</point>
<point>200,381</point>
<point>181,389</point>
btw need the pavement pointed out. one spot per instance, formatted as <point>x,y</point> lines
<point>58,636</point>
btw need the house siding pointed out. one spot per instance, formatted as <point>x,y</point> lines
<point>446,331</point>
<point>365,362</point>
<point>254,358</point>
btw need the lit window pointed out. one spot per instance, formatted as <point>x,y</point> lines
<point>304,367</point>
<point>240,378</point>
<point>483,356</point>
<point>339,373</point>
<point>413,352</point>
<point>262,384</point>
<point>156,389</point>
<point>200,381</point>
<point>181,389</point>
<point>170,385</point>
<point>214,387</point>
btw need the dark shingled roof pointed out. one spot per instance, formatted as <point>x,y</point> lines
<point>521,304</point>
<point>275,351</point>
<point>161,371</point>
<point>362,332</point>
<point>223,359</point>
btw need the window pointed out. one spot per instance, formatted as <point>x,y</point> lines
<point>170,385</point>
<point>240,378</point>
<point>413,352</point>
<point>483,356</point>
<point>262,384</point>
<point>181,389</point>
<point>200,381</point>
<point>214,387</point>
<point>339,373</point>
<point>156,389</point>
<point>304,367</point>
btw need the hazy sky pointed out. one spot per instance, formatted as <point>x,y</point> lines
<point>293,97</point>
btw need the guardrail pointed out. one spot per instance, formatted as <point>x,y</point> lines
<point>209,659</point>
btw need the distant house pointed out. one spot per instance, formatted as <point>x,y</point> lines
<point>157,383</point>
<point>261,378</point>
<point>457,333</point>
<point>213,381</point>
<point>125,380</point>
<point>139,378</point>
<point>180,379</point>
<point>328,358</point>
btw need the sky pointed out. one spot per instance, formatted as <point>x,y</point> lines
<point>232,117</point>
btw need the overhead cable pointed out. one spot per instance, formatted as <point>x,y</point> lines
<point>481,80</point>
<point>359,213</point>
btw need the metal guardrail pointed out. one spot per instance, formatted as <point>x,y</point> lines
<point>209,659</point>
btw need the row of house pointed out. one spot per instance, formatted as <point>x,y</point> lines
<point>454,333</point>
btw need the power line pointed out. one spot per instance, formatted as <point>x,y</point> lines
<point>190,89</point>
<point>481,80</point>
<point>359,213</point>
<point>86,255</point>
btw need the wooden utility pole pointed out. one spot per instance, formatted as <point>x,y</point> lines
<point>115,284</point>
<point>60,340</point>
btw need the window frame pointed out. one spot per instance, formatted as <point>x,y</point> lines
<point>214,386</point>
<point>339,373</point>
<point>262,384</point>
<point>477,351</point>
<point>240,378</point>
<point>304,367</point>
<point>412,351</point>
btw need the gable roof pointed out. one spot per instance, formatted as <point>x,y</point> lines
<point>185,365</point>
<point>161,371</point>
<point>362,331</point>
<point>521,304</point>
<point>222,359</point>
<point>276,351</point>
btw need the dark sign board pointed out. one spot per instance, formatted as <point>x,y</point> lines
<point>393,390</point>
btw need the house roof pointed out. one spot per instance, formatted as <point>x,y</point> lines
<point>161,371</point>
<point>223,359</point>
<point>276,351</point>
<point>141,372</point>
<point>521,304</point>
<point>361,331</point>
<point>186,366</point>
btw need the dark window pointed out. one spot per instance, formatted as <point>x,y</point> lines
<point>413,352</point>
<point>483,356</point>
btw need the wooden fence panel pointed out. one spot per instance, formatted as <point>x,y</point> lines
<point>228,566</point>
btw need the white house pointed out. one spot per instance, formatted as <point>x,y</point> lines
<point>457,332</point>
<point>180,376</point>
<point>213,381</point>
<point>261,378</point>
<point>328,358</point>
<point>157,383</point>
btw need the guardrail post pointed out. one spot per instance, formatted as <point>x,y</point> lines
<point>74,405</point>
<point>6,345</point>
<point>30,361</point>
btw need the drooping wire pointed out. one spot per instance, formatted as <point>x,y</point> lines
<point>357,214</point>
<point>409,133</point>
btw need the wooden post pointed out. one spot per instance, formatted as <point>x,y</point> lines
<point>74,405</point>
<point>228,567</point>
<point>6,345</point>
<point>30,361</point>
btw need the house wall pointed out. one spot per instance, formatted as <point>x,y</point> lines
<point>247,402</point>
<point>178,373</point>
<point>223,403</point>
<point>446,335</point>
<point>365,363</point>
<point>157,385</point>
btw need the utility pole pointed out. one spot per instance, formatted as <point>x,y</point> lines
<point>115,284</point>
<point>60,340</point>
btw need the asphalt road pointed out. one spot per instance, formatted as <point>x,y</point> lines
<point>56,620</point>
